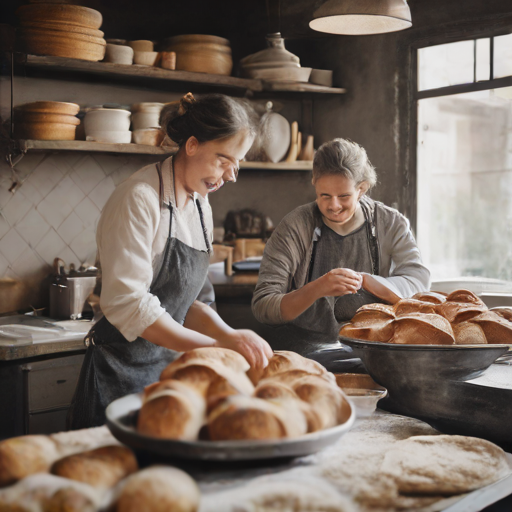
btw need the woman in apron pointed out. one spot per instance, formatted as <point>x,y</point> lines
<point>154,245</point>
<point>328,258</point>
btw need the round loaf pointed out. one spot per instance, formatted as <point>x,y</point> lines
<point>103,467</point>
<point>497,330</point>
<point>159,489</point>
<point>407,306</point>
<point>423,329</point>
<point>504,312</point>
<point>284,360</point>
<point>372,312</point>
<point>464,296</point>
<point>367,330</point>
<point>468,333</point>
<point>433,297</point>
<point>25,455</point>
<point>172,410</point>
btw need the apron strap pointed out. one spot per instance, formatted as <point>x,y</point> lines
<point>205,231</point>
<point>370,213</point>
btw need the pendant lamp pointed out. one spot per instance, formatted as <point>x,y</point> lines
<point>360,17</point>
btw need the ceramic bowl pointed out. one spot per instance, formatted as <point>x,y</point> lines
<point>45,131</point>
<point>142,45</point>
<point>142,120</point>
<point>119,137</point>
<point>119,54</point>
<point>149,107</point>
<point>148,136</point>
<point>106,119</point>
<point>143,58</point>
<point>362,390</point>
<point>288,74</point>
<point>321,77</point>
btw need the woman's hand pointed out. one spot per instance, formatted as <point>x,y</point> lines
<point>254,348</point>
<point>337,282</point>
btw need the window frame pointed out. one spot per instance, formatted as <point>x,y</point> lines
<point>407,107</point>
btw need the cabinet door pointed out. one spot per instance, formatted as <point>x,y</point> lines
<point>51,383</point>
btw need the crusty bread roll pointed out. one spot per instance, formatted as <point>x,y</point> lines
<point>505,312</point>
<point>468,333</point>
<point>159,489</point>
<point>456,312</point>
<point>243,417</point>
<point>102,468</point>
<point>328,401</point>
<point>225,363</point>
<point>172,410</point>
<point>423,329</point>
<point>372,312</point>
<point>284,360</point>
<point>269,389</point>
<point>433,297</point>
<point>25,455</point>
<point>497,330</point>
<point>465,297</point>
<point>292,376</point>
<point>68,499</point>
<point>407,306</point>
<point>381,331</point>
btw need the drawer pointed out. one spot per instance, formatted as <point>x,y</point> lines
<point>48,422</point>
<point>51,383</point>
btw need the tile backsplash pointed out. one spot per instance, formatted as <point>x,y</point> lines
<point>52,213</point>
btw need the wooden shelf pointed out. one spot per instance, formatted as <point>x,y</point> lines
<point>135,71</point>
<point>32,146</point>
<point>82,145</point>
<point>279,166</point>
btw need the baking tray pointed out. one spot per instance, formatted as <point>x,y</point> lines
<point>122,414</point>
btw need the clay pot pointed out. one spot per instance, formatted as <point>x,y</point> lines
<point>142,45</point>
<point>168,60</point>
<point>54,107</point>
<point>146,115</point>
<point>63,29</point>
<point>148,136</point>
<point>44,117</point>
<point>69,14</point>
<point>106,119</point>
<point>118,54</point>
<point>112,137</point>
<point>145,58</point>
<point>45,131</point>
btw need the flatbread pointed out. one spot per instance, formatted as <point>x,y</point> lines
<point>444,465</point>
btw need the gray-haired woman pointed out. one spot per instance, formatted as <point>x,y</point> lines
<point>328,258</point>
<point>154,242</point>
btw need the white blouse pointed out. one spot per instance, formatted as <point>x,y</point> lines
<point>131,237</point>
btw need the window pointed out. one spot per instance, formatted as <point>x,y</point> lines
<point>464,158</point>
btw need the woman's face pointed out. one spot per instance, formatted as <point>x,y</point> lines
<point>337,197</point>
<point>210,164</point>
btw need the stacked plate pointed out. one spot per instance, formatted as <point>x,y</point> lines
<point>46,120</point>
<point>200,53</point>
<point>61,30</point>
<point>108,125</point>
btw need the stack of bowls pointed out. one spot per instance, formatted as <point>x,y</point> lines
<point>119,54</point>
<point>61,30</point>
<point>107,125</point>
<point>146,123</point>
<point>200,53</point>
<point>46,120</point>
<point>143,52</point>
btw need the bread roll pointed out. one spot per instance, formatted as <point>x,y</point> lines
<point>68,499</point>
<point>504,312</point>
<point>271,389</point>
<point>374,312</point>
<point>102,468</point>
<point>172,410</point>
<point>284,360</point>
<point>369,331</point>
<point>407,306</point>
<point>25,455</point>
<point>433,297</point>
<point>242,417</point>
<point>465,297</point>
<point>468,333</point>
<point>497,330</point>
<point>423,329</point>
<point>328,401</point>
<point>292,376</point>
<point>225,363</point>
<point>159,489</point>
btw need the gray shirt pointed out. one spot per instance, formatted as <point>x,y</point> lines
<point>287,257</point>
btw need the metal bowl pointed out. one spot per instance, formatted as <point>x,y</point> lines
<point>122,414</point>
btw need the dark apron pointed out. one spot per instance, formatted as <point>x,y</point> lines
<point>317,328</point>
<point>113,366</point>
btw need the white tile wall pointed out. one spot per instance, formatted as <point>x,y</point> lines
<point>55,211</point>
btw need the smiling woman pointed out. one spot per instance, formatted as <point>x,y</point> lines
<point>328,258</point>
<point>154,243</point>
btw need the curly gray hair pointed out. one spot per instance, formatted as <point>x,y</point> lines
<point>346,158</point>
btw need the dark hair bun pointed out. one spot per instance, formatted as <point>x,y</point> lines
<point>211,117</point>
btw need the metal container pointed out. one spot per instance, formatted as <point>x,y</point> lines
<point>68,296</point>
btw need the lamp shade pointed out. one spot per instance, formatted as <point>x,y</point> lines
<point>359,17</point>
